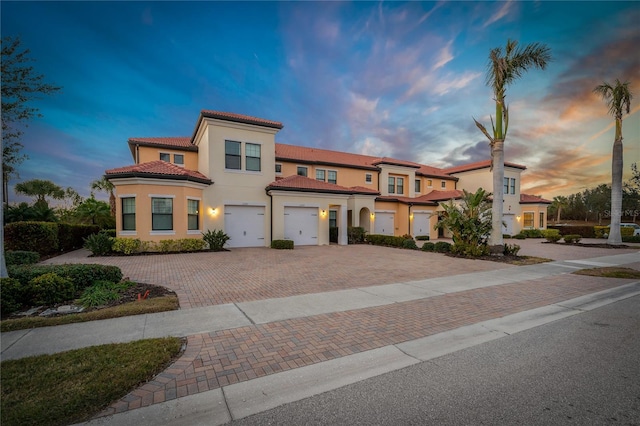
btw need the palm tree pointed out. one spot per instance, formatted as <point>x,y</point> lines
<point>559,203</point>
<point>106,186</point>
<point>504,67</point>
<point>40,189</point>
<point>618,98</point>
<point>94,212</point>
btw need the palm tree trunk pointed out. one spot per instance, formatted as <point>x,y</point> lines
<point>616,187</point>
<point>112,204</point>
<point>495,240</point>
<point>3,265</point>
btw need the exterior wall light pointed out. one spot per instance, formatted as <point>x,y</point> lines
<point>213,211</point>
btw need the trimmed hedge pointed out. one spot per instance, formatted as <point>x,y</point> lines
<point>583,230</point>
<point>572,238</point>
<point>442,247</point>
<point>631,239</point>
<point>385,240</point>
<point>282,244</point>
<point>422,238</point>
<point>11,299</point>
<point>20,257</point>
<point>410,244</point>
<point>428,246</point>
<point>71,237</point>
<point>356,234</point>
<point>552,235</point>
<point>532,233</point>
<point>41,237</point>
<point>82,275</point>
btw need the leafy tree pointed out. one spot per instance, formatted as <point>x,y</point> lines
<point>618,98</point>
<point>23,212</point>
<point>40,189</point>
<point>560,202</point>
<point>504,67</point>
<point>106,186</point>
<point>631,194</point>
<point>95,212</point>
<point>470,223</point>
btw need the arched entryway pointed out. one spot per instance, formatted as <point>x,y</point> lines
<point>365,219</point>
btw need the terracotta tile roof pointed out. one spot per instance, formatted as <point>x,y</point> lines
<point>407,200</point>
<point>305,155</point>
<point>182,143</point>
<point>430,199</point>
<point>532,199</point>
<point>395,162</point>
<point>239,118</point>
<point>305,184</point>
<point>479,165</point>
<point>430,171</point>
<point>437,195</point>
<point>159,170</point>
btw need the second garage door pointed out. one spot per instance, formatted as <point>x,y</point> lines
<point>384,223</point>
<point>301,225</point>
<point>245,225</point>
<point>421,224</point>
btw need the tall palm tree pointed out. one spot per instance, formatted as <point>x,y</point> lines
<point>503,68</point>
<point>559,203</point>
<point>40,189</point>
<point>106,186</point>
<point>618,98</point>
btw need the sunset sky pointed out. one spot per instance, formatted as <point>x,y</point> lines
<point>388,78</point>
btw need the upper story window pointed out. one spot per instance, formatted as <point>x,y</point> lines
<point>513,186</point>
<point>252,152</point>
<point>417,188</point>
<point>392,185</point>
<point>302,171</point>
<point>232,155</point>
<point>193,215</point>
<point>278,168</point>
<point>429,183</point>
<point>332,176</point>
<point>400,185</point>
<point>129,214</point>
<point>162,214</point>
<point>443,184</point>
<point>165,157</point>
<point>367,178</point>
<point>320,174</point>
<point>506,185</point>
<point>178,159</point>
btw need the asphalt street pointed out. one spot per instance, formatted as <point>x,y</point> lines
<point>582,370</point>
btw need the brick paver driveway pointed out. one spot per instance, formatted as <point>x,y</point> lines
<point>244,274</point>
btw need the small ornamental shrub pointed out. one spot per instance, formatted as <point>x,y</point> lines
<point>19,257</point>
<point>356,234</point>
<point>601,231</point>
<point>552,235</point>
<point>410,244</point>
<point>407,237</point>
<point>531,233</point>
<point>11,295</point>
<point>98,294</point>
<point>215,239</point>
<point>442,247</point>
<point>126,245</point>
<point>110,232</point>
<point>385,240</point>
<point>99,244</point>
<point>428,246</point>
<point>520,236</point>
<point>422,238</point>
<point>191,244</point>
<point>51,288</point>
<point>506,236</point>
<point>511,249</point>
<point>572,238</point>
<point>282,244</point>
<point>82,275</point>
<point>585,231</point>
<point>632,239</point>
<point>166,246</point>
<point>626,231</point>
<point>470,249</point>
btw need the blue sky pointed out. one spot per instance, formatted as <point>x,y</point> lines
<point>380,78</point>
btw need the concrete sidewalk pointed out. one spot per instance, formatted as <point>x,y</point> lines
<point>477,307</point>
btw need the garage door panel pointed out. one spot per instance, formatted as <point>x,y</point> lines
<point>421,222</point>
<point>384,223</point>
<point>301,225</point>
<point>245,225</point>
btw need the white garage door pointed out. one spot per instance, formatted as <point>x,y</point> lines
<point>507,225</point>
<point>384,224</point>
<point>421,224</point>
<point>245,225</point>
<point>301,225</point>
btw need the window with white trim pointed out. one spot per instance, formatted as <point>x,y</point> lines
<point>443,184</point>
<point>417,188</point>
<point>528,220</point>
<point>302,171</point>
<point>161,214</point>
<point>232,158</point>
<point>367,178</point>
<point>165,157</point>
<point>513,186</point>
<point>128,214</point>
<point>320,175</point>
<point>400,185</point>
<point>506,185</point>
<point>193,215</point>
<point>178,159</point>
<point>278,168</point>
<point>392,185</point>
<point>252,154</point>
<point>332,177</point>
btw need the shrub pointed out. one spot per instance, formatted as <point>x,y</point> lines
<point>442,247</point>
<point>422,238</point>
<point>385,240</point>
<point>11,295</point>
<point>41,237</point>
<point>407,237</point>
<point>168,245</point>
<point>282,244</point>
<point>626,231</point>
<point>410,244</point>
<point>506,236</point>
<point>583,230</point>
<point>98,294</point>
<point>511,249</point>
<point>470,249</point>
<point>191,244</point>
<point>572,238</point>
<point>356,234</point>
<point>428,246</point>
<point>82,275</point>
<point>520,236</point>
<point>72,237</point>
<point>632,239</point>
<point>51,288</point>
<point>215,239</point>
<point>99,244</point>
<point>127,245</point>
<point>110,232</point>
<point>20,257</point>
<point>552,235</point>
<point>531,233</point>
<point>601,231</point>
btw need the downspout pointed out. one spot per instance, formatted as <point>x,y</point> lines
<point>270,216</point>
<point>137,154</point>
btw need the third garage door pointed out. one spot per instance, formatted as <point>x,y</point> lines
<point>245,225</point>
<point>301,225</point>
<point>384,224</point>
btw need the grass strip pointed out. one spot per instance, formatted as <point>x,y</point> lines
<point>148,306</point>
<point>610,272</point>
<point>73,386</point>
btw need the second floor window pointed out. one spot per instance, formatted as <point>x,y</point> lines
<point>443,184</point>
<point>161,214</point>
<point>320,175</point>
<point>165,157</point>
<point>417,189</point>
<point>400,185</point>
<point>513,186</point>
<point>429,183</point>
<point>332,177</point>
<point>302,171</point>
<point>129,214</point>
<point>178,159</point>
<point>232,155</point>
<point>278,168</point>
<point>252,151</point>
<point>392,185</point>
<point>367,177</point>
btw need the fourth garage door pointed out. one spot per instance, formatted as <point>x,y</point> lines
<point>245,225</point>
<point>301,225</point>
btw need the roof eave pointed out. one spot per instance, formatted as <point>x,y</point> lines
<point>145,175</point>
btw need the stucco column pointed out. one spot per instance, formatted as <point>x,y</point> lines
<point>343,240</point>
